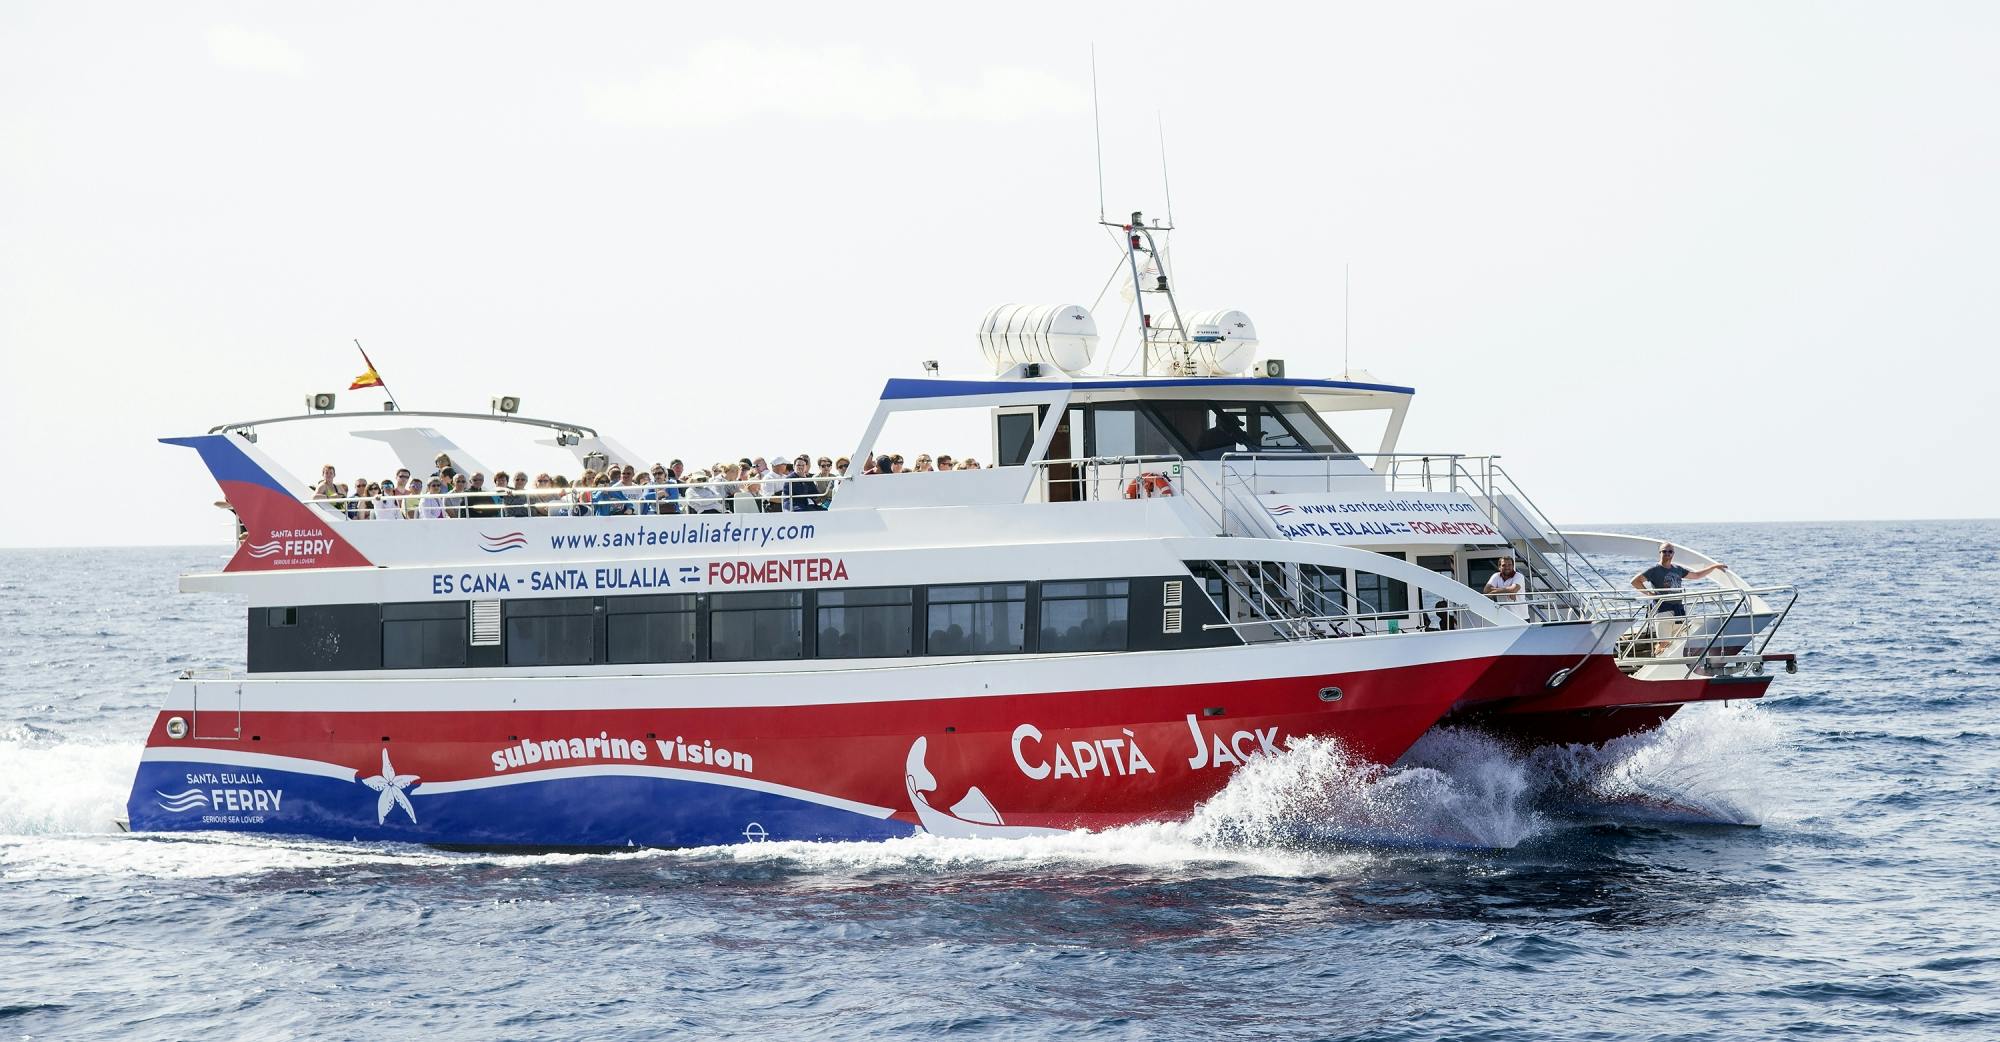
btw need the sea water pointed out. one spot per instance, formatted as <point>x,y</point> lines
<point>1820,864</point>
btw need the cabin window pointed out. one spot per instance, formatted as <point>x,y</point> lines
<point>282,617</point>
<point>423,635</point>
<point>1381,595</point>
<point>1212,583</point>
<point>1127,429</point>
<point>559,631</point>
<point>977,620</point>
<point>1085,616</point>
<point>1305,431</point>
<point>1014,438</point>
<point>1325,590</point>
<point>657,628</point>
<point>864,623</point>
<point>746,627</point>
<point>1210,429</point>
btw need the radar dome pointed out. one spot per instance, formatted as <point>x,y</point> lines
<point>1060,335</point>
<point>1224,342</point>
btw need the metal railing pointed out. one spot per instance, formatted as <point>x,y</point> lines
<point>691,497</point>
<point>1113,477</point>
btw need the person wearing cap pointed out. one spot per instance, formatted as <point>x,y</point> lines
<point>1664,577</point>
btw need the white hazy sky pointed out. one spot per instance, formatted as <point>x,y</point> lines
<point>1674,261</point>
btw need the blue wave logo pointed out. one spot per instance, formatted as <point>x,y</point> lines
<point>1284,508</point>
<point>500,544</point>
<point>182,802</point>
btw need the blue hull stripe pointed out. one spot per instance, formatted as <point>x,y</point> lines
<point>598,810</point>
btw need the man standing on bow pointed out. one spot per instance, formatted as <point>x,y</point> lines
<point>1663,578</point>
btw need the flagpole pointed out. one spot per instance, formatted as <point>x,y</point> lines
<point>378,375</point>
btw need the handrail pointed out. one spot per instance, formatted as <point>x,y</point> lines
<point>576,502</point>
<point>558,426</point>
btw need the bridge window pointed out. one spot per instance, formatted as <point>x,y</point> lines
<point>977,620</point>
<point>559,631</point>
<point>745,627</point>
<point>1085,616</point>
<point>864,623</point>
<point>1210,429</point>
<point>423,635</point>
<point>654,628</point>
<point>1127,429</point>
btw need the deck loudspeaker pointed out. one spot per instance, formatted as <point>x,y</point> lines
<point>1271,369</point>
<point>507,405</point>
<point>322,401</point>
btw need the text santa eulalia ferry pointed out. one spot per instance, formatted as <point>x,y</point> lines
<point>1165,576</point>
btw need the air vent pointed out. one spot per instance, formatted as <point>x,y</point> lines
<point>485,624</point>
<point>1172,623</point>
<point>1170,593</point>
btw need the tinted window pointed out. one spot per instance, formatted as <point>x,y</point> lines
<point>1325,590</point>
<point>976,620</point>
<point>1302,429</point>
<point>864,623</point>
<point>1085,616</point>
<point>556,632</point>
<point>423,636</point>
<point>1127,430</point>
<point>1376,595</point>
<point>1210,429</point>
<point>650,629</point>
<point>746,627</point>
<point>1016,437</point>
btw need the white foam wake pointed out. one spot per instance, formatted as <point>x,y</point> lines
<point>48,788</point>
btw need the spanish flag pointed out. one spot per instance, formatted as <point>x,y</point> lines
<point>368,379</point>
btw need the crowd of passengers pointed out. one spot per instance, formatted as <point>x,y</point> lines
<point>750,485</point>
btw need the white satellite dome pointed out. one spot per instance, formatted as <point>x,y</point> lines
<point>1224,342</point>
<point>1060,335</point>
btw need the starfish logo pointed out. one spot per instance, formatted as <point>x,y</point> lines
<point>391,786</point>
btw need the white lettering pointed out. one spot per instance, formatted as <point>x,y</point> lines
<point>1025,732</point>
<point>1200,757</point>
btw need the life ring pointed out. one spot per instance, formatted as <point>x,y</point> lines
<point>1148,485</point>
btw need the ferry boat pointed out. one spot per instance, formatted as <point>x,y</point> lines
<point>1165,575</point>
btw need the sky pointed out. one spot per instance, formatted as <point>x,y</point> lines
<point>1674,262</point>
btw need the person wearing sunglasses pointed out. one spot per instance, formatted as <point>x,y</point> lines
<point>1668,576</point>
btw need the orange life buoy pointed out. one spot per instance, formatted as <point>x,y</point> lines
<point>1148,485</point>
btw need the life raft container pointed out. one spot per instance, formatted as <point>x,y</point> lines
<point>1148,485</point>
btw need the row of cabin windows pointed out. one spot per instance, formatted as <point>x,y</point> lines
<point>1326,591</point>
<point>983,619</point>
<point>1189,428</point>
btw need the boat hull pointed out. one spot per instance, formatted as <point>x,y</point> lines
<point>1015,747</point>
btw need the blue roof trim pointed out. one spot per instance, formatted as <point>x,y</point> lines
<point>899,388</point>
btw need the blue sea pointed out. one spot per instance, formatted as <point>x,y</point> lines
<point>1820,864</point>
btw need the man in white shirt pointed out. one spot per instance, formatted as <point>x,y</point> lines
<point>1509,588</point>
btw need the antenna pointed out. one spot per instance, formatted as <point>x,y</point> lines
<point>1097,128</point>
<point>1168,186</point>
<point>1346,369</point>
